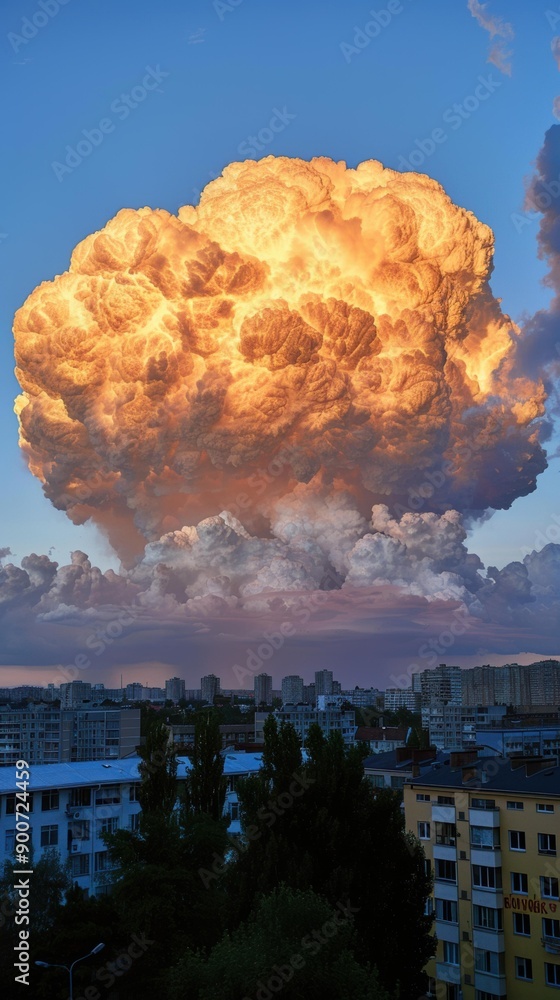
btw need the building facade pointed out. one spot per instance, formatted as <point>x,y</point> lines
<point>175,689</point>
<point>41,734</point>
<point>71,806</point>
<point>263,689</point>
<point>209,688</point>
<point>396,698</point>
<point>292,690</point>
<point>303,716</point>
<point>323,682</point>
<point>491,834</point>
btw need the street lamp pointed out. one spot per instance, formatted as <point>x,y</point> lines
<point>69,968</point>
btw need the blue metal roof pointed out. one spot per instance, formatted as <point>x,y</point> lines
<point>111,772</point>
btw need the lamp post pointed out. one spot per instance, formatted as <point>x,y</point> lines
<point>69,968</point>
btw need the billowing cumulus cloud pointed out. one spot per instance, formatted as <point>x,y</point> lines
<point>302,388</point>
<point>331,324</point>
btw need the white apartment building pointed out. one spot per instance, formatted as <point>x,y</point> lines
<point>72,805</point>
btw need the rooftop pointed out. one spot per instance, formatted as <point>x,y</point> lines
<point>496,774</point>
<point>103,772</point>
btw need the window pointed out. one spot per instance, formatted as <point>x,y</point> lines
<point>488,961</point>
<point>102,862</point>
<point>450,953</point>
<point>446,833</point>
<point>549,887</point>
<point>522,924</point>
<point>79,829</point>
<point>446,909</point>
<point>517,840</point>
<point>421,797</point>
<point>234,815</point>
<point>10,805</point>
<point>523,968</point>
<point>377,780</point>
<point>519,882</point>
<point>483,995</point>
<point>487,918</point>
<point>515,805</point>
<point>49,836</point>
<point>423,831</point>
<point>487,837</point>
<point>486,878</point>
<point>79,865</point>
<point>552,974</point>
<point>397,781</point>
<point>551,928</point>
<point>111,795</point>
<point>429,907</point>
<point>134,793</point>
<point>547,843</point>
<point>80,797</point>
<point>49,801</point>
<point>134,822</point>
<point>483,804</point>
<point>109,825</point>
<point>10,841</point>
<point>445,800</point>
<point>446,871</point>
<point>545,807</point>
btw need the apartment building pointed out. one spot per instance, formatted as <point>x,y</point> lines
<point>209,688</point>
<point>396,698</point>
<point>73,805</point>
<point>490,831</point>
<point>263,689</point>
<point>301,717</point>
<point>41,734</point>
<point>292,689</point>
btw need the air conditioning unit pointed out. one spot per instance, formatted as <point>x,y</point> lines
<point>463,855</point>
<point>466,936</point>
<point>468,980</point>
<point>77,814</point>
<point>75,848</point>
<point>464,894</point>
<point>461,815</point>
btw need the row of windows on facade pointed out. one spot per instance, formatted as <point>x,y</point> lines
<point>77,831</point>
<point>492,962</point>
<point>79,797</point>
<point>487,837</point>
<point>484,877</point>
<point>489,919</point>
<point>448,800</point>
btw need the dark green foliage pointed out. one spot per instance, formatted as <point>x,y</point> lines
<point>205,786</point>
<point>295,941</point>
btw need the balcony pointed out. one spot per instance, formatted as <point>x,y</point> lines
<point>484,817</point>
<point>488,940</point>
<point>446,931</point>
<point>487,897</point>
<point>448,973</point>
<point>486,856</point>
<point>445,852</point>
<point>445,890</point>
<point>495,985</point>
<point>551,945</point>
<point>443,814</point>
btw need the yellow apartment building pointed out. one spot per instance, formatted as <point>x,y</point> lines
<point>490,828</point>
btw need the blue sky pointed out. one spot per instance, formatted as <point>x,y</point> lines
<point>250,59</point>
<point>225,69</point>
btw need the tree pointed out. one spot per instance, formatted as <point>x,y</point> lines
<point>294,941</point>
<point>344,841</point>
<point>205,785</point>
<point>158,772</point>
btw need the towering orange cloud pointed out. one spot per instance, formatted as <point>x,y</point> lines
<point>337,322</point>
